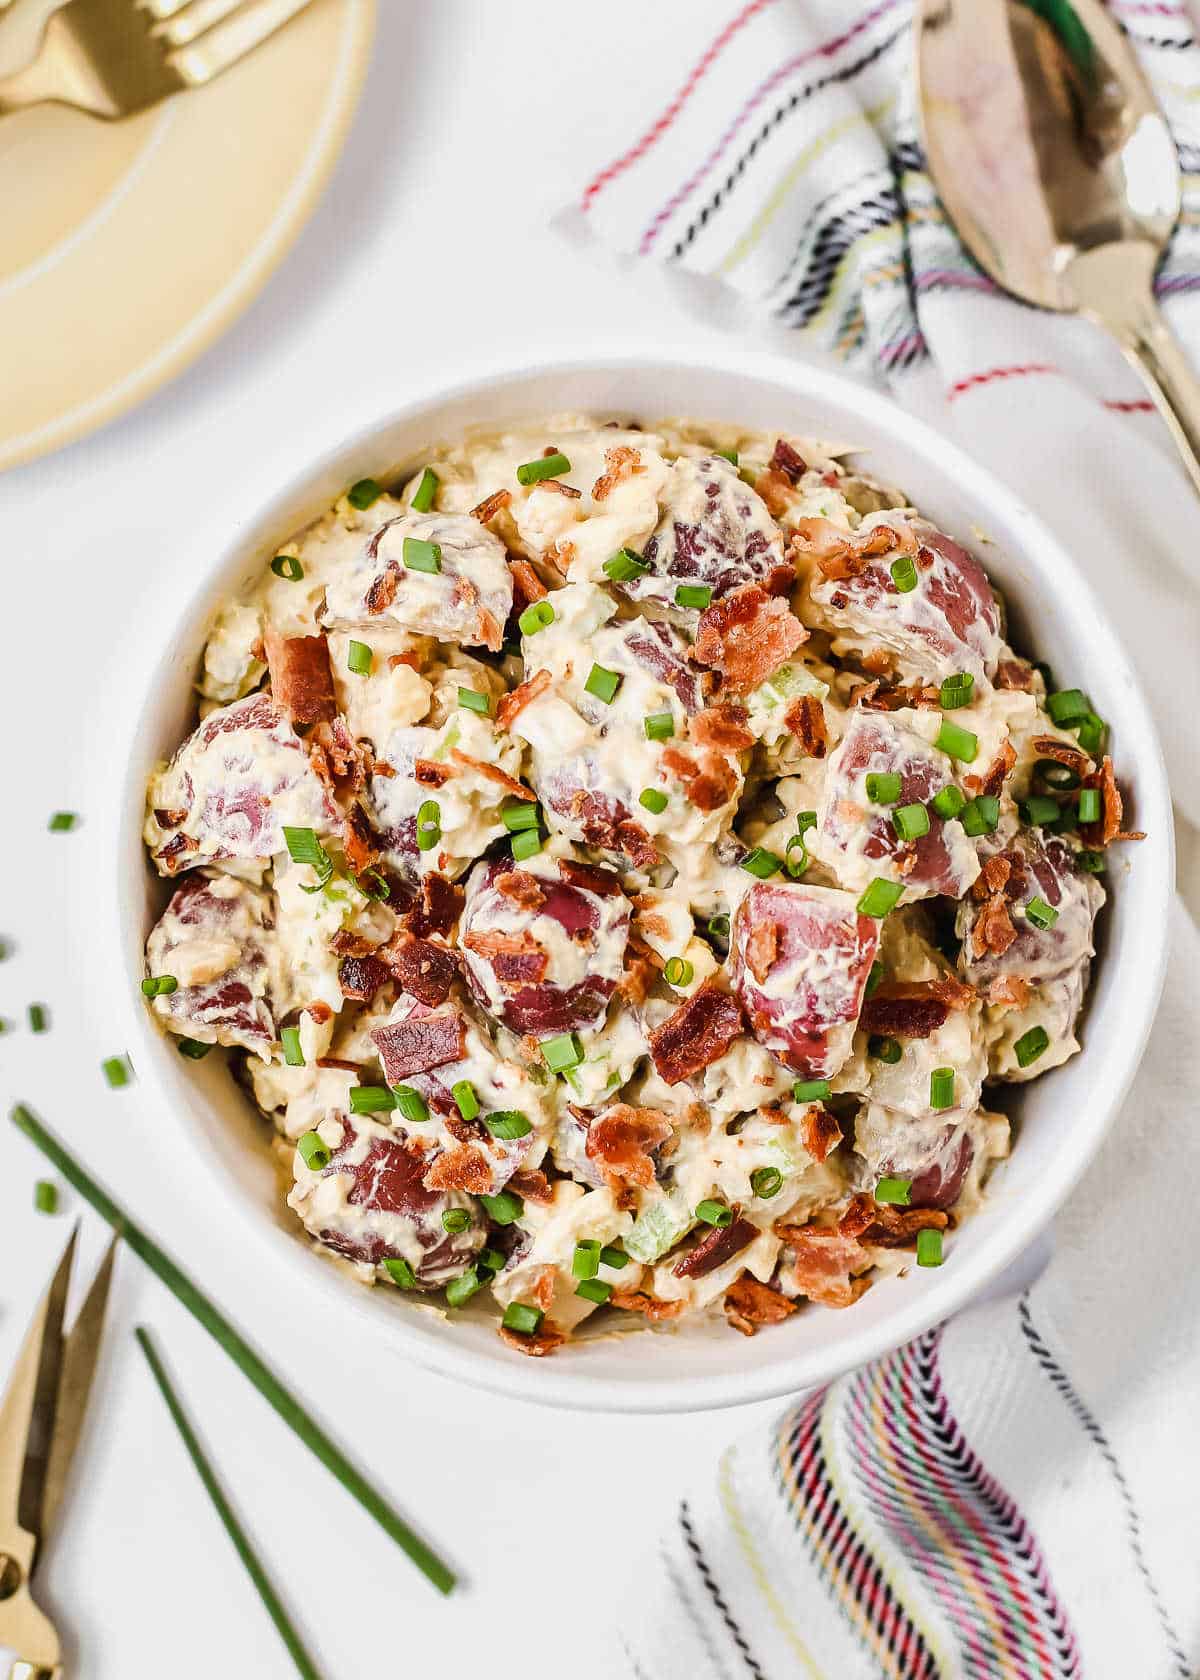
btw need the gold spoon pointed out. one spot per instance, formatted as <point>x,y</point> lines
<point>1056,166</point>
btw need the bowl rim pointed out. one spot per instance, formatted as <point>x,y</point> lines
<point>945,1292</point>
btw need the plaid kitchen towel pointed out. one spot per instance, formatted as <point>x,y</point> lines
<point>1016,1493</point>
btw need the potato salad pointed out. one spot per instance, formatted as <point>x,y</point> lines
<point>623,865</point>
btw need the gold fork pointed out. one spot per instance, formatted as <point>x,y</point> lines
<point>113,58</point>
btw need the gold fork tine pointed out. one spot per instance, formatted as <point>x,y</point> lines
<point>221,47</point>
<point>79,1358</point>
<point>190,20</point>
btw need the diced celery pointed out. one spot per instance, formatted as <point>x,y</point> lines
<point>657,1229</point>
<point>786,684</point>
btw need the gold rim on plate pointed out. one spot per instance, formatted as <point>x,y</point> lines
<point>129,247</point>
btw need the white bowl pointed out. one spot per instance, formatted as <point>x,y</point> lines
<point>1062,1117</point>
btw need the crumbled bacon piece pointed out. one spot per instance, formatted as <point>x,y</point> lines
<point>993,930</point>
<point>534,1186</point>
<point>490,506</point>
<point>698,1033</point>
<point>382,591</point>
<point>527,585</point>
<point>722,728</point>
<point>1010,991</point>
<point>715,1248</point>
<point>620,463</point>
<point>776,490</point>
<point>338,1062</point>
<point>301,676</point>
<point>993,778</point>
<point>638,977</point>
<point>825,1264</point>
<point>842,554</point>
<point>1108,829</point>
<point>996,873</point>
<point>876,697</point>
<point>465,1167</point>
<point>516,958</point>
<point>439,908</point>
<point>913,1009</point>
<point>634,1300</point>
<point>543,1341</point>
<point>805,717</point>
<point>819,1131</point>
<point>360,977</point>
<point>415,1046</point>
<point>762,947</point>
<point>749,1303</point>
<point>359,842</point>
<point>611,832</point>
<point>340,762</point>
<point>787,460</point>
<point>424,970</point>
<point>515,702</point>
<point>747,635</point>
<point>879,662</point>
<point>521,888</point>
<point>885,1225</point>
<point>620,1141</point>
<point>493,773</point>
<point>709,784</point>
<point>430,773</point>
<point>489,630</point>
<point>1062,752</point>
<point>1014,674</point>
<point>590,877</point>
<point>319,1011</point>
<point>558,488</point>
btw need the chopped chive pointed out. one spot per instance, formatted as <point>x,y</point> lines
<point>766,1182</point>
<point>718,927</point>
<point>526,845</point>
<point>293,1055</point>
<point>980,815</point>
<point>894,1191</point>
<point>562,1052</point>
<point>910,821</point>
<point>603,683</point>
<point>422,556</point>
<point>585,1261</point>
<point>550,466</point>
<point>517,814</point>
<point>614,1257</point>
<point>956,691</point>
<point>373,883</point>
<point>304,847</point>
<point>595,1289</point>
<point>37,1017</point>
<point>884,1049</point>
<point>654,800</point>
<point>696,595</point>
<point>873,979</point>
<point>400,1272</point>
<point>711,1212</point>
<point>424,495</point>
<point>795,857</point>
<point>472,701</point>
<point>192,1049</point>
<point>929,1247</point>
<point>884,787</point>
<point>463,1093</point>
<point>287,566</point>
<point>678,972</point>
<point>429,824</point>
<point>1089,805</point>
<point>503,1208</point>
<point>507,1123</point>
<point>525,1320</point>
<point>904,573</point>
<point>1092,863</point>
<point>1040,811</point>
<point>117,1071</point>
<point>811,1090</point>
<point>45,1196</point>
<point>359,658</point>
<point>313,1151</point>
<point>880,897</point>
<point>1068,706</point>
<point>491,1260</point>
<point>659,726</point>
<point>159,985</point>
<point>624,566</point>
<point>411,1104</point>
<point>460,1289</point>
<point>955,742</point>
<point>941,1088</point>
<point>730,455</point>
<point>538,615</point>
<point>456,1220</point>
<point>364,493</point>
<point>1063,778</point>
<point>371,1099</point>
<point>1041,914</point>
<point>62,822</point>
<point>760,862</point>
<point>948,801</point>
<point>1031,1045</point>
<point>1091,733</point>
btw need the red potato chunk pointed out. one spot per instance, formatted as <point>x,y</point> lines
<point>233,786</point>
<point>212,939</point>
<point>950,622</point>
<point>466,600</point>
<point>370,1204</point>
<point>800,958</point>
<point>716,532</point>
<point>858,839</point>
<point>544,945</point>
<point>998,939</point>
<point>935,1153</point>
<point>589,814</point>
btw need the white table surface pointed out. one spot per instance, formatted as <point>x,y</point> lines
<point>391,282</point>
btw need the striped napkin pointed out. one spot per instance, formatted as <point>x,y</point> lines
<point>1017,1492</point>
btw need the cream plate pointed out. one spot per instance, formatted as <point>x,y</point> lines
<point>128,247</point>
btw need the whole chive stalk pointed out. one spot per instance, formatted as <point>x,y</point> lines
<point>224,1510</point>
<point>240,1351</point>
